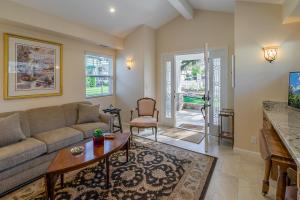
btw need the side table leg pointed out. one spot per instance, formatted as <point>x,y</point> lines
<point>120,122</point>
<point>107,171</point>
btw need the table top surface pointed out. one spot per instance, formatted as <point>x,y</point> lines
<point>65,161</point>
<point>286,122</point>
<point>111,110</point>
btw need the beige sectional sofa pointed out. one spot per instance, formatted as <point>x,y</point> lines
<point>47,130</point>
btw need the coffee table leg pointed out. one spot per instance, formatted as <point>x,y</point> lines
<point>107,171</point>
<point>50,184</point>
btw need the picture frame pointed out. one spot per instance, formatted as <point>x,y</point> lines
<point>32,67</point>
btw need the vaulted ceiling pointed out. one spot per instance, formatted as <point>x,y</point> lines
<point>128,14</point>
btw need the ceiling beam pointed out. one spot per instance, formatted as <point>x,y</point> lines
<point>291,11</point>
<point>183,7</point>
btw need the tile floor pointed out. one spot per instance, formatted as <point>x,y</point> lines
<point>188,116</point>
<point>237,176</point>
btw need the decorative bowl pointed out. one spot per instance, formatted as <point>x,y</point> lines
<point>109,136</point>
<point>77,150</point>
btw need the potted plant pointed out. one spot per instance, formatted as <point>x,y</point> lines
<point>98,137</point>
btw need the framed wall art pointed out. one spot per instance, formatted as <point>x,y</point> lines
<point>32,67</point>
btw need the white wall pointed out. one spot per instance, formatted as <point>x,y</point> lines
<point>139,81</point>
<point>257,25</point>
<point>181,35</point>
<point>73,71</point>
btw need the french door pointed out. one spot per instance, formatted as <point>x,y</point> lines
<point>215,88</point>
<point>218,83</point>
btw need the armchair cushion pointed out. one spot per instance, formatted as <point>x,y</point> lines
<point>144,122</point>
<point>146,107</point>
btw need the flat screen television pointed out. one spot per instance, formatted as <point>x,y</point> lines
<point>294,90</point>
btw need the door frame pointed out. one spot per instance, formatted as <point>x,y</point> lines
<point>162,80</point>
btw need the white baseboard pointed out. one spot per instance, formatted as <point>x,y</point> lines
<point>244,151</point>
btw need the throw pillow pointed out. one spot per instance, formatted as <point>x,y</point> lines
<point>10,130</point>
<point>88,113</point>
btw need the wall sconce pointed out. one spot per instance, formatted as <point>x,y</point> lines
<point>270,53</point>
<point>129,63</point>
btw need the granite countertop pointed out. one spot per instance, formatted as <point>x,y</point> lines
<point>286,121</point>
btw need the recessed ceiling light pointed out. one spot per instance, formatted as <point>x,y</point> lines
<point>112,10</point>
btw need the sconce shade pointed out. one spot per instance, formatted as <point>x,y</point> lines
<point>129,63</point>
<point>270,53</point>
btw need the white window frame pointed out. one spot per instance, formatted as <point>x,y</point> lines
<point>111,76</point>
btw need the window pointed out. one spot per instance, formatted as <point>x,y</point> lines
<point>99,76</point>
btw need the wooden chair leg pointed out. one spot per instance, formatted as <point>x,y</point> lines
<point>281,183</point>
<point>152,130</point>
<point>138,130</point>
<point>155,134</point>
<point>265,186</point>
<point>131,135</point>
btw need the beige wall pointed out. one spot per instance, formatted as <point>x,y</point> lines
<point>73,71</point>
<point>149,63</point>
<point>257,25</point>
<point>180,35</point>
<point>137,82</point>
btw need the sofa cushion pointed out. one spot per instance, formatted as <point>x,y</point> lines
<point>71,112</point>
<point>20,152</point>
<point>144,122</point>
<point>10,130</point>
<point>88,113</point>
<point>23,121</point>
<point>59,138</point>
<point>46,119</point>
<point>88,128</point>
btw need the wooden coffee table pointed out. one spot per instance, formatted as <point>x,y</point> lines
<point>66,162</point>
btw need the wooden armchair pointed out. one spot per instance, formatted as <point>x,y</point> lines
<point>146,109</point>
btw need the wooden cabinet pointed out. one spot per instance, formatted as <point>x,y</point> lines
<point>276,157</point>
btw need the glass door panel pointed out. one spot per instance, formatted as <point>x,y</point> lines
<point>167,89</point>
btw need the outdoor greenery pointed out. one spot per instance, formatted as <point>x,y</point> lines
<point>96,91</point>
<point>192,69</point>
<point>91,81</point>
<point>294,99</point>
<point>193,100</point>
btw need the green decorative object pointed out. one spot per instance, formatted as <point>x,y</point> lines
<point>98,137</point>
<point>98,132</point>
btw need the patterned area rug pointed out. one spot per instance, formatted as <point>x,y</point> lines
<point>154,171</point>
<point>177,133</point>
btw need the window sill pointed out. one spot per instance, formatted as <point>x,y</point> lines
<point>106,95</point>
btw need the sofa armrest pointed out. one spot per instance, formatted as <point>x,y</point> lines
<point>107,118</point>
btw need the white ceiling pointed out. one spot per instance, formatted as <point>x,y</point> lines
<point>95,13</point>
<point>129,13</point>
